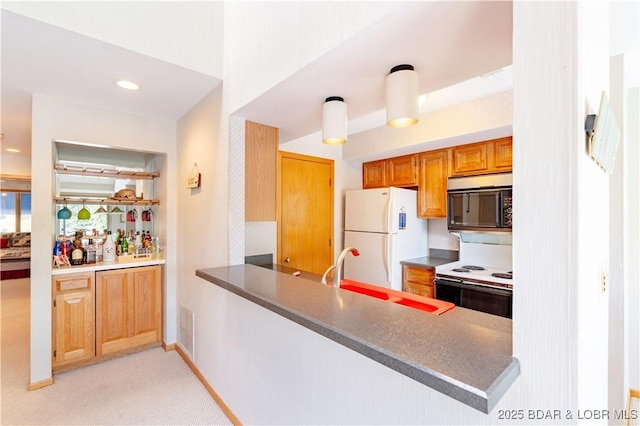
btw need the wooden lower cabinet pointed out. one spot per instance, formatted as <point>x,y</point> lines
<point>103,314</point>
<point>73,318</point>
<point>418,280</point>
<point>128,308</point>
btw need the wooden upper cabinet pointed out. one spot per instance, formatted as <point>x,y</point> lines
<point>432,185</point>
<point>469,159</point>
<point>502,153</point>
<point>398,171</point>
<point>402,171</point>
<point>484,157</point>
<point>261,148</point>
<point>374,174</point>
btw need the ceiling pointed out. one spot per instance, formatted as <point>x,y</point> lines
<point>38,58</point>
<point>447,42</point>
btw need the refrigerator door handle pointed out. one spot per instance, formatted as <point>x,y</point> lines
<point>387,258</point>
<point>389,223</point>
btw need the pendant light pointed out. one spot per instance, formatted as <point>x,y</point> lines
<point>64,213</point>
<point>334,121</point>
<point>402,96</point>
<point>84,214</point>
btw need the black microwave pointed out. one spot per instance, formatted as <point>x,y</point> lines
<point>480,203</point>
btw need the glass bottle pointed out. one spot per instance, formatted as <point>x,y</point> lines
<point>78,253</point>
<point>109,249</point>
<point>57,249</point>
<point>90,252</point>
<point>124,246</point>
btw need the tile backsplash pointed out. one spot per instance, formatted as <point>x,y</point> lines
<point>260,237</point>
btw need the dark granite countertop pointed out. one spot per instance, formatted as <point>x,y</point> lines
<point>426,262</point>
<point>463,353</point>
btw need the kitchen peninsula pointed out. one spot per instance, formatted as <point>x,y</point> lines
<point>464,354</point>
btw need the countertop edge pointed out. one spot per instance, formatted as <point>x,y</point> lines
<point>104,266</point>
<point>481,400</point>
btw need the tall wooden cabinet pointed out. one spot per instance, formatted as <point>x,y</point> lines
<point>261,150</point>
<point>128,308</point>
<point>73,318</point>
<point>432,192</point>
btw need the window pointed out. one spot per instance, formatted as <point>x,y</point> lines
<point>15,211</point>
<point>97,222</point>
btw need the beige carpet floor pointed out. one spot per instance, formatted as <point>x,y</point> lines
<point>147,388</point>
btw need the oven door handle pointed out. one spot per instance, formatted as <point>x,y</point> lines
<point>451,280</point>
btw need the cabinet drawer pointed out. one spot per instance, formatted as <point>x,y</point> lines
<point>421,275</point>
<point>419,289</point>
<point>74,282</point>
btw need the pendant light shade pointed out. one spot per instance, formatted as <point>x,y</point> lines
<point>402,96</point>
<point>84,214</point>
<point>334,121</point>
<point>64,213</point>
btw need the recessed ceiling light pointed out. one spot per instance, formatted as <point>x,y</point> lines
<point>12,150</point>
<point>129,85</point>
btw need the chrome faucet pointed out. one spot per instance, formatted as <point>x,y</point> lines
<point>337,276</point>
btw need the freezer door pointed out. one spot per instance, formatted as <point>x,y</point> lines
<point>373,266</point>
<point>368,210</point>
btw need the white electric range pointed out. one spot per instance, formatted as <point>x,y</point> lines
<point>481,280</point>
<point>477,274</point>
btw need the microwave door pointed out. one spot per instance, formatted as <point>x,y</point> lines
<point>475,209</point>
<point>457,209</point>
<point>486,209</point>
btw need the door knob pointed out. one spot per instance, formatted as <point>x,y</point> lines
<point>287,260</point>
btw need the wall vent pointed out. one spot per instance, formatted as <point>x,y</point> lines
<point>186,331</point>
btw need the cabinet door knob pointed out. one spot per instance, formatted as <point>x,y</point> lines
<point>287,260</point>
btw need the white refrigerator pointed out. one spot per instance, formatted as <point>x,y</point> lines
<point>383,225</point>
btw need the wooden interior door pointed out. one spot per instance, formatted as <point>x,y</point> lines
<point>305,212</point>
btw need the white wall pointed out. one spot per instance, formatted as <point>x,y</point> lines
<point>15,164</point>
<point>144,27</point>
<point>632,246</point>
<point>560,231</point>
<point>56,119</point>
<point>266,42</point>
<point>476,120</point>
<point>204,217</point>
